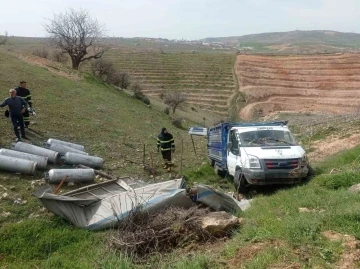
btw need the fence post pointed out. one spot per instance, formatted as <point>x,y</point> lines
<point>181,158</point>
<point>144,156</point>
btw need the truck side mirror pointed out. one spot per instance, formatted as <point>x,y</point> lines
<point>229,145</point>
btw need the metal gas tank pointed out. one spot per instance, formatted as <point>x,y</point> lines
<point>68,144</point>
<point>62,149</point>
<point>73,175</point>
<point>40,160</point>
<point>52,156</point>
<point>17,165</point>
<point>91,161</point>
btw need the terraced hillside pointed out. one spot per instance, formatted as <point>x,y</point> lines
<point>206,79</point>
<point>321,83</point>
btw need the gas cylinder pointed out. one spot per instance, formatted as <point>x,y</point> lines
<point>75,158</point>
<point>62,149</point>
<point>17,165</point>
<point>68,144</point>
<point>73,175</point>
<point>52,156</point>
<point>40,160</point>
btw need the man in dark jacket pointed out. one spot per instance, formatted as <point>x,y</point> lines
<point>165,142</point>
<point>23,92</point>
<point>17,107</point>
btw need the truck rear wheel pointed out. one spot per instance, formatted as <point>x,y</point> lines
<point>240,182</point>
<point>218,171</point>
<point>211,162</point>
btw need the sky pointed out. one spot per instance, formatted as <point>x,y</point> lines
<point>186,19</point>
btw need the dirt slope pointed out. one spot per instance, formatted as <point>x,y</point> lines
<point>319,83</point>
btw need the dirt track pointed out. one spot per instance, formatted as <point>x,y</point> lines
<point>319,83</point>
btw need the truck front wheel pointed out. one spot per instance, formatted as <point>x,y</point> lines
<point>240,182</point>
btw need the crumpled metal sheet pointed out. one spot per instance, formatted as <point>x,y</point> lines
<point>103,205</point>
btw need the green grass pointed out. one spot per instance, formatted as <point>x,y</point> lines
<point>52,243</point>
<point>276,219</point>
<point>339,180</point>
<point>345,160</point>
<point>197,262</point>
<point>205,174</point>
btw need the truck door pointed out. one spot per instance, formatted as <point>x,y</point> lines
<point>233,152</point>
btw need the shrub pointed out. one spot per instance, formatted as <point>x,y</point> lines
<point>174,100</point>
<point>143,98</point>
<point>136,87</point>
<point>138,94</point>
<point>167,110</point>
<point>43,53</point>
<point>120,79</point>
<point>102,69</point>
<point>59,56</point>
<point>177,122</point>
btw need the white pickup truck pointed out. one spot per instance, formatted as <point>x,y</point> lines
<point>256,153</point>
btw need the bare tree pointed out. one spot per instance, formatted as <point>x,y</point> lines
<point>174,100</point>
<point>76,33</point>
<point>3,39</point>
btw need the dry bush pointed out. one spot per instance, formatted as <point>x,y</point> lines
<point>138,93</point>
<point>174,100</point>
<point>43,53</point>
<point>59,56</point>
<point>136,87</point>
<point>102,69</point>
<point>143,234</point>
<point>120,79</point>
<point>177,122</point>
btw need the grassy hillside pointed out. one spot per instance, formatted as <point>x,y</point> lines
<point>107,121</point>
<point>295,41</point>
<point>298,36</point>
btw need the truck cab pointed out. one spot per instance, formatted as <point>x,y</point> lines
<point>256,153</point>
<point>264,155</point>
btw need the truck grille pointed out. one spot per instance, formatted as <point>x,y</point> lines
<point>282,164</point>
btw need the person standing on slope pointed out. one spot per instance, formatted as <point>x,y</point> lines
<point>17,107</point>
<point>23,92</point>
<point>166,143</point>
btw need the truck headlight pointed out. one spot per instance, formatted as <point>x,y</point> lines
<point>304,161</point>
<point>254,162</point>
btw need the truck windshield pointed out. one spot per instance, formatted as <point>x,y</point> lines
<point>266,138</point>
